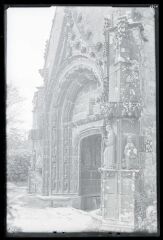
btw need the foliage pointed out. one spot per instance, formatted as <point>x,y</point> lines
<point>14,103</point>
<point>149,222</point>
<point>11,212</point>
<point>146,211</point>
<point>18,146</point>
<point>17,167</point>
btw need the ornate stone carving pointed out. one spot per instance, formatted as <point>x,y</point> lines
<point>123,109</point>
<point>130,92</point>
<point>107,24</point>
<point>148,141</point>
<point>131,103</point>
<point>131,109</point>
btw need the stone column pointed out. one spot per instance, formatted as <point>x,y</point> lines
<point>46,156</point>
<point>119,184</point>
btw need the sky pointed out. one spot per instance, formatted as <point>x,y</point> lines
<point>27,31</point>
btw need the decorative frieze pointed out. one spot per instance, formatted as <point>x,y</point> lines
<point>121,109</point>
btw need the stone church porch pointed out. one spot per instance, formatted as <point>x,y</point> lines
<point>94,119</point>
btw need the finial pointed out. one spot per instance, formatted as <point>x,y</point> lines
<point>107,23</point>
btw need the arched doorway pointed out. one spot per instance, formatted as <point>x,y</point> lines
<point>89,176</point>
<point>67,121</point>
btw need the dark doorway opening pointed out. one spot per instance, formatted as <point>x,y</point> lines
<point>90,178</point>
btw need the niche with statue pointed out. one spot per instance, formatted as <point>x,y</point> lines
<point>130,154</point>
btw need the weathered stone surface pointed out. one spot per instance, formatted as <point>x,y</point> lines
<point>92,78</point>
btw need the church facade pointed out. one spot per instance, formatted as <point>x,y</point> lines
<point>94,118</point>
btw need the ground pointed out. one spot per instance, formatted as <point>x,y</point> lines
<point>26,215</point>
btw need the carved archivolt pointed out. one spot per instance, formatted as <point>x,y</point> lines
<point>71,81</point>
<point>63,77</point>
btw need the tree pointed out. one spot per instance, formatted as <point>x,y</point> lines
<point>14,104</point>
<point>18,146</point>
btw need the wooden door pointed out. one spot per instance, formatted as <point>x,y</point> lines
<point>90,178</point>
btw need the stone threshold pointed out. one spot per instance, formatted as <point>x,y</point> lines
<point>52,197</point>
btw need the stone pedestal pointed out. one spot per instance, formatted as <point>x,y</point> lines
<point>118,199</point>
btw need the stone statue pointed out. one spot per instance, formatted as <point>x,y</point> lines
<point>130,154</point>
<point>109,152</point>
